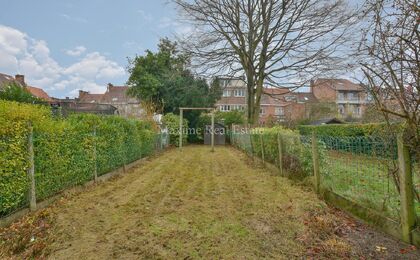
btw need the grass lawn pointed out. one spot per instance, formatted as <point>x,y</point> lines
<point>193,204</point>
<point>365,180</point>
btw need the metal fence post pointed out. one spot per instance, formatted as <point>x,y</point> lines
<point>31,169</point>
<point>406,187</point>
<point>95,169</point>
<point>315,159</point>
<point>280,150</point>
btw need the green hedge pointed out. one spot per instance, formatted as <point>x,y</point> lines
<point>64,150</point>
<point>369,139</point>
<point>339,130</point>
<point>297,156</point>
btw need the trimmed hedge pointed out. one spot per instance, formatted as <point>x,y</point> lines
<point>339,130</point>
<point>369,139</point>
<point>297,155</point>
<point>64,149</point>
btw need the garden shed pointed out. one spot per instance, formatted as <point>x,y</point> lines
<point>219,134</point>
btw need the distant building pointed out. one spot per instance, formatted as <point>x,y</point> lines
<point>115,96</point>
<point>7,79</point>
<point>277,104</point>
<point>19,80</point>
<point>351,98</point>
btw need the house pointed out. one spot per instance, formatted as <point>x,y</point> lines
<point>19,80</point>
<point>7,79</point>
<point>233,96</point>
<point>351,99</point>
<point>115,96</point>
<point>277,104</point>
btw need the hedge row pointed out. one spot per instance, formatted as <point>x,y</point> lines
<point>340,130</point>
<point>63,149</point>
<point>297,156</point>
<point>369,139</point>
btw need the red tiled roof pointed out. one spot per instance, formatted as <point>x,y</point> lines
<point>39,93</point>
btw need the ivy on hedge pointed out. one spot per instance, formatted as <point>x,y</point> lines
<point>64,149</point>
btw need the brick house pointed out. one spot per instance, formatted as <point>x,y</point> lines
<point>277,104</point>
<point>351,99</point>
<point>115,96</point>
<point>19,80</point>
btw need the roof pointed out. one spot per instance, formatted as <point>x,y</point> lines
<point>113,95</point>
<point>4,78</point>
<point>339,84</point>
<point>283,96</point>
<point>39,93</point>
<point>327,121</point>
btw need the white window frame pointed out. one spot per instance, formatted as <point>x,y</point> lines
<point>226,93</point>
<point>239,93</point>
<point>279,111</point>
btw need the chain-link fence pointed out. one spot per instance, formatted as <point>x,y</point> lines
<point>66,159</point>
<point>364,170</point>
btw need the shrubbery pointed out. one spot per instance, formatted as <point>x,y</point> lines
<point>171,121</point>
<point>340,130</point>
<point>64,149</point>
<point>297,156</point>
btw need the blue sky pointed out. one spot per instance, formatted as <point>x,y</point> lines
<point>62,46</point>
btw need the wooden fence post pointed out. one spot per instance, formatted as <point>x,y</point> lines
<point>406,190</point>
<point>31,169</point>
<point>280,150</point>
<point>315,159</point>
<point>181,116</point>
<point>262,148</point>
<point>95,169</point>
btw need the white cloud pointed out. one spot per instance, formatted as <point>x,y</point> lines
<point>77,51</point>
<point>24,55</point>
<point>94,65</point>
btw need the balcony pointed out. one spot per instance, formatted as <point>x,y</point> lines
<point>351,101</point>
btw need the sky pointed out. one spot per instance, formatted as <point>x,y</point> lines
<point>67,45</point>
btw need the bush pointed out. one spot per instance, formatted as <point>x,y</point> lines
<point>297,155</point>
<point>171,121</point>
<point>64,149</point>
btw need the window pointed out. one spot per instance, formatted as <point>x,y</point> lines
<point>224,83</point>
<point>279,111</point>
<point>239,93</point>
<point>340,96</point>
<point>225,108</point>
<point>238,107</point>
<point>226,93</point>
<point>114,99</point>
<point>353,96</point>
<point>262,110</point>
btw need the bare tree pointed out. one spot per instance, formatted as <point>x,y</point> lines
<point>390,62</point>
<point>270,42</point>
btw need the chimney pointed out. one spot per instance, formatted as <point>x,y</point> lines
<point>311,86</point>
<point>82,93</point>
<point>21,79</point>
<point>109,87</point>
